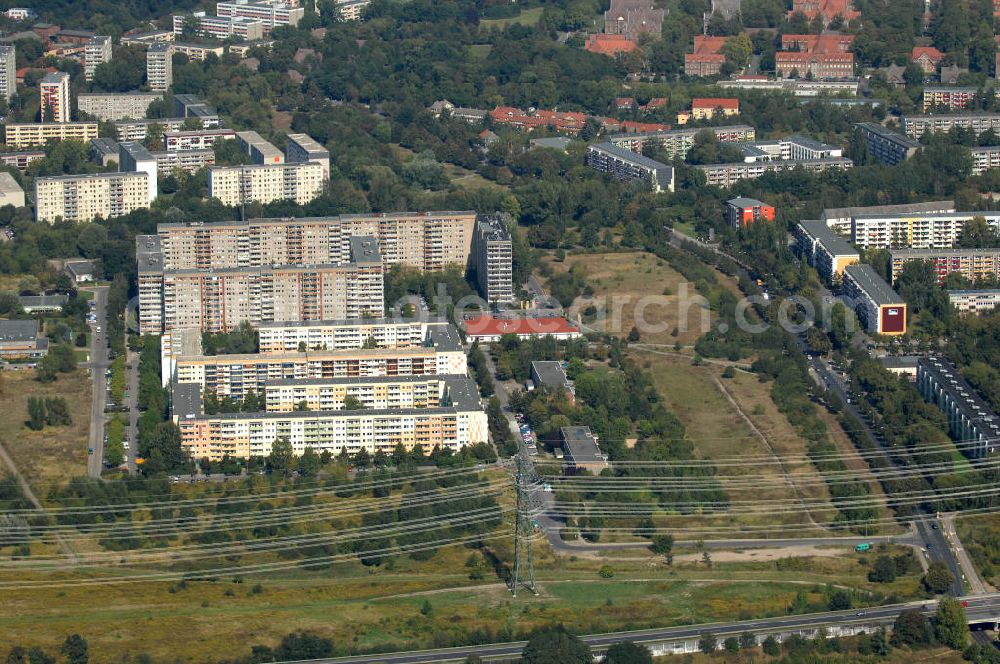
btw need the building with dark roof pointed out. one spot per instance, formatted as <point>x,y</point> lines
<point>824,249</point>
<point>623,164</point>
<point>879,308</point>
<point>33,304</point>
<point>19,340</point>
<point>972,424</point>
<point>550,374</point>
<point>887,146</point>
<point>581,450</point>
<point>492,255</point>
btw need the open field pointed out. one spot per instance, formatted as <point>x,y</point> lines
<point>53,454</point>
<point>363,608</point>
<point>620,281</point>
<point>457,175</point>
<point>741,421</point>
<point>527,17</point>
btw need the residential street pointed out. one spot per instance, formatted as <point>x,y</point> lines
<point>98,365</point>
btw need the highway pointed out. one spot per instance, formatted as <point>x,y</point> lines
<point>978,609</point>
<point>98,365</point>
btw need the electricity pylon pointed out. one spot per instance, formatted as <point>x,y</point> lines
<point>523,532</point>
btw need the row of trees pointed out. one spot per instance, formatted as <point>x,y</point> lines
<point>47,411</point>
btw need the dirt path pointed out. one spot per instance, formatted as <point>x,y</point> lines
<point>767,445</point>
<point>32,498</point>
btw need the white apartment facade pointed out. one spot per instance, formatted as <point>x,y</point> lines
<point>31,134</point>
<point>8,71</point>
<point>265,183</point>
<point>81,198</point>
<point>96,51</point>
<point>160,66</point>
<point>111,106</point>
<point>916,231</point>
<point>54,97</point>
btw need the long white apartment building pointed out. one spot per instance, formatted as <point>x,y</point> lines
<point>380,392</point>
<point>351,10</point>
<point>794,147</point>
<point>269,12</point>
<point>302,148</point>
<point>189,161</point>
<point>31,134</point>
<point>221,27</point>
<point>985,158</point>
<point>933,230</point>
<point>974,301</point>
<point>237,375</point>
<point>677,142</point>
<point>138,130</point>
<point>726,175</point>
<point>915,126</point>
<point>84,197</point>
<point>220,299</point>
<point>8,71</point>
<point>841,219</point>
<point>286,337</point>
<point>266,183</point>
<point>456,421</point>
<point>111,106</point>
<point>134,157</point>
<point>195,139</point>
<point>825,250</point>
<point>626,165</point>
<point>429,241</point>
<point>96,51</point>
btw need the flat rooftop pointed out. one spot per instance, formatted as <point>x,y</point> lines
<point>902,208</point>
<point>580,446</point>
<point>549,373</point>
<point>148,253</point>
<point>364,249</point>
<point>308,144</point>
<point>965,398</point>
<point>8,185</point>
<point>629,156</point>
<point>889,134</point>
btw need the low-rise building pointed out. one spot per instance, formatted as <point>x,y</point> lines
<point>199,51</point>
<point>707,58</point>
<point>84,197</point>
<point>110,106</point>
<point>706,108</point>
<point>19,340</point>
<point>972,424</point>
<point>623,164</point>
<point>266,183</point>
<point>38,304</point>
<point>880,309</point>
<point>743,211</point>
<point>973,264</point>
<point>489,329</point>
<point>610,45</point>
<point>887,146</point>
<point>493,252</point>
<point>825,250</point>
<point>11,192</point>
<point>31,134</point>
<point>21,158</point>
<point>104,151</point>
<point>550,374</point>
<point>581,450</point>
<point>81,272</point>
<point>974,301</point>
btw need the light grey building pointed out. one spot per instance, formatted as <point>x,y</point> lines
<point>493,252</point>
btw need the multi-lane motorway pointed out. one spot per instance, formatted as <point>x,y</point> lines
<point>978,608</point>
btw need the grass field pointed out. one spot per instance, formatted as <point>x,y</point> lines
<point>621,281</point>
<point>365,609</point>
<point>526,17</point>
<point>53,454</point>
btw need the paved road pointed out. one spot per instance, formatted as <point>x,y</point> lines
<point>968,568</point>
<point>132,402</point>
<point>939,550</point>
<point>978,609</point>
<point>98,365</point>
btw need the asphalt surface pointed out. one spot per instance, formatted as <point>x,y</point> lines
<point>978,609</point>
<point>132,402</point>
<point>98,364</point>
<point>939,550</point>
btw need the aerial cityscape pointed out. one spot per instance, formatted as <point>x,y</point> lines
<point>543,331</point>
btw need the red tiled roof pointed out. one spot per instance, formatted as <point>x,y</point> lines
<point>716,102</point>
<point>632,127</point>
<point>932,53</point>
<point>708,45</point>
<point>490,326</point>
<point>832,43</point>
<point>828,9</point>
<point>610,45</point>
